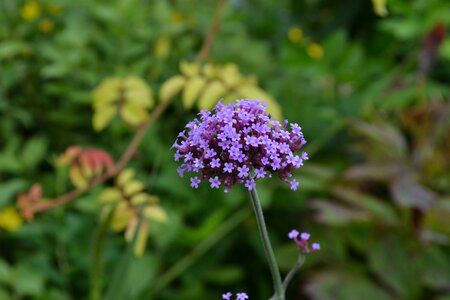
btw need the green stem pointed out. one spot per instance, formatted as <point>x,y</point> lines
<point>270,256</point>
<point>96,268</point>
<point>295,268</point>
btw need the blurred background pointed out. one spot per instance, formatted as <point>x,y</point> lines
<point>368,81</point>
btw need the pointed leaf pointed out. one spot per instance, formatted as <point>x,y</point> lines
<point>109,195</point>
<point>133,187</point>
<point>125,176</point>
<point>133,114</point>
<point>138,92</point>
<point>211,95</point>
<point>171,87</point>
<point>156,213</point>
<point>77,177</point>
<point>189,69</point>
<point>103,116</point>
<point>192,91</point>
<point>141,240</point>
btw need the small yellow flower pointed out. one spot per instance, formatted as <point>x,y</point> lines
<point>295,34</point>
<point>315,51</point>
<point>54,9</point>
<point>30,11</point>
<point>46,26</point>
<point>10,220</point>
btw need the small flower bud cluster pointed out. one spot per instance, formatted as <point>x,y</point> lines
<point>238,143</point>
<point>302,243</point>
<point>239,296</point>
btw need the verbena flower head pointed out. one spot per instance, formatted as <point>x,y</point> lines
<point>238,143</point>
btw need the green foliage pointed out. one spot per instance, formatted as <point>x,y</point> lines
<point>375,192</point>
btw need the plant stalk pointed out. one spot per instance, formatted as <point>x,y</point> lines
<point>270,256</point>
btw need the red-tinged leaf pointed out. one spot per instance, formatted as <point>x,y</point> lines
<point>337,215</point>
<point>407,192</point>
<point>35,192</point>
<point>69,155</point>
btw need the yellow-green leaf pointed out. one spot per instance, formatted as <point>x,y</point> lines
<point>210,71</point>
<point>253,92</point>
<point>108,91</point>
<point>137,92</point>
<point>131,229</point>
<point>379,7</point>
<point>189,69</point>
<point>103,116</point>
<point>211,95</point>
<point>133,114</point>
<point>125,176</point>
<point>141,240</point>
<point>230,75</point>
<point>140,198</point>
<point>77,177</point>
<point>122,216</point>
<point>171,87</point>
<point>133,187</point>
<point>156,213</point>
<point>110,195</point>
<point>192,91</point>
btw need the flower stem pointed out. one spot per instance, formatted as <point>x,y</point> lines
<point>270,256</point>
<point>294,270</point>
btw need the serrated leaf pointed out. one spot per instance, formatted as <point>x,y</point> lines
<point>110,195</point>
<point>77,177</point>
<point>137,92</point>
<point>125,176</point>
<point>103,116</point>
<point>141,240</point>
<point>156,213</point>
<point>189,69</point>
<point>192,91</point>
<point>133,114</point>
<point>133,187</point>
<point>211,95</point>
<point>171,87</point>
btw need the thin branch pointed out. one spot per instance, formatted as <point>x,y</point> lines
<point>140,132</point>
<point>119,166</point>
<point>212,30</point>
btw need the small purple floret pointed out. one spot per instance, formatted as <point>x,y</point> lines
<point>315,246</point>
<point>293,234</point>
<point>305,236</point>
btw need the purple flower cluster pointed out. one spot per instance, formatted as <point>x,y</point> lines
<point>302,243</point>
<point>238,143</point>
<point>239,296</point>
